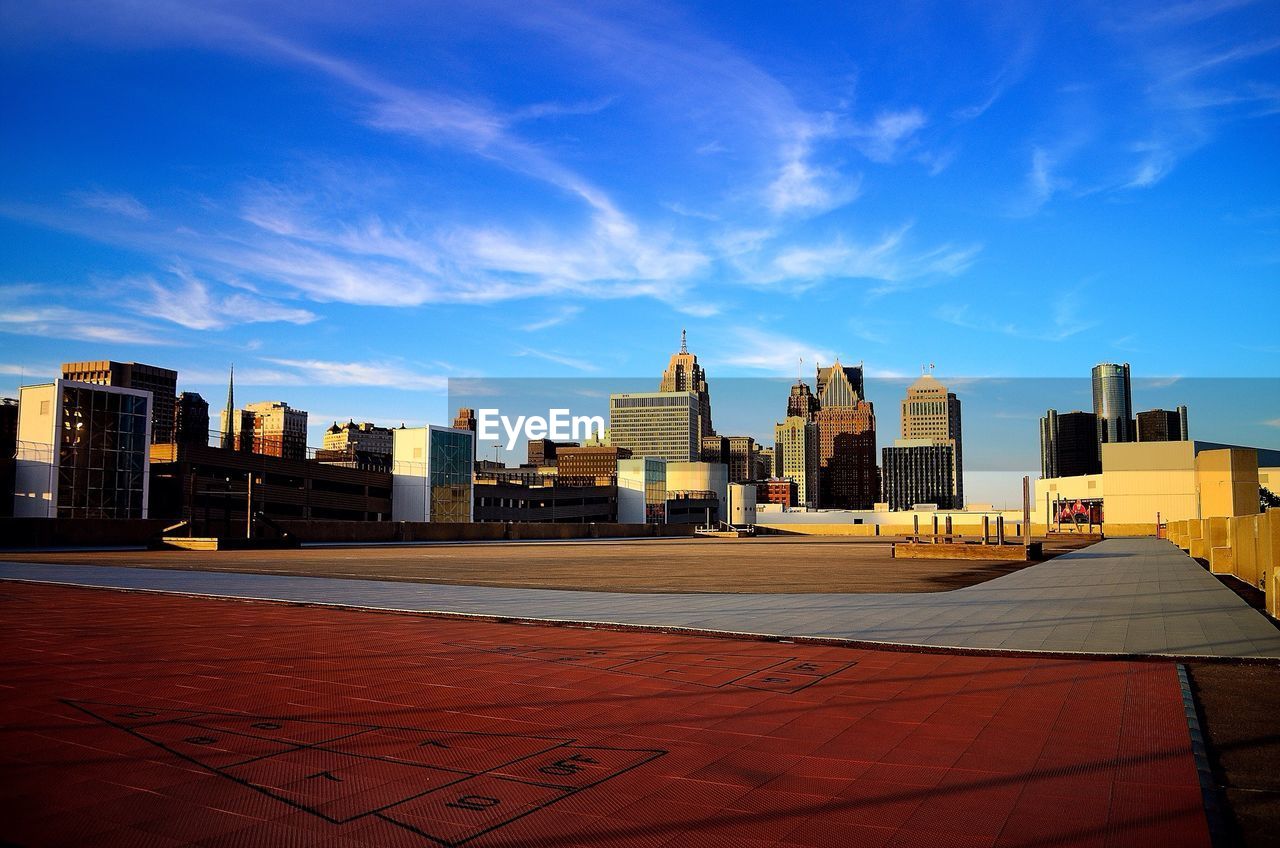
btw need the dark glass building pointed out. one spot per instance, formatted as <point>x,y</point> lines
<point>1163,425</point>
<point>917,471</point>
<point>1069,444</point>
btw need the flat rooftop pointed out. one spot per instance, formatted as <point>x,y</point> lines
<point>150,719</point>
<point>770,564</point>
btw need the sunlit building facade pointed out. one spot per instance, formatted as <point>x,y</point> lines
<point>431,474</point>
<point>82,451</point>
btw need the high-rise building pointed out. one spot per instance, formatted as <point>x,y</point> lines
<point>1163,425</point>
<point>848,476</point>
<point>742,459</point>
<point>796,456</point>
<point>83,451</point>
<point>932,413</point>
<point>840,385</point>
<point>920,471</point>
<point>191,420</point>
<point>269,427</point>
<point>801,402</point>
<point>684,374</point>
<point>715,449</point>
<point>1113,402</point>
<point>432,474</point>
<point>659,424</point>
<point>765,467</point>
<point>161,382</point>
<point>1069,444</point>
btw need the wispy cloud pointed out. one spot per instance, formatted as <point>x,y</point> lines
<point>32,310</point>
<point>1064,315</point>
<point>1274,422</point>
<point>388,374</point>
<point>766,350</point>
<point>190,303</point>
<point>890,260</point>
<point>575,362</point>
<point>115,203</point>
<point>556,318</point>
<point>882,139</point>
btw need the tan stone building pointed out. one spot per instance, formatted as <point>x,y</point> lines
<point>684,374</point>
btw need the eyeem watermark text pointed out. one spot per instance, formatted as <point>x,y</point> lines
<point>559,425</point>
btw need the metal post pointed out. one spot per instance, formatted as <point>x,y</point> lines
<point>1026,515</point>
<point>248,523</point>
<point>935,527</point>
<point>986,529</point>
<point>999,529</point>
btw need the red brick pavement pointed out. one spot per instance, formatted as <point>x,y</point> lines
<point>139,719</point>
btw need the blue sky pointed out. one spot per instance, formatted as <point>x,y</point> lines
<point>356,204</point>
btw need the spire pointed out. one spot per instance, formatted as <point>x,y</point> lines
<point>684,348</point>
<point>228,426</point>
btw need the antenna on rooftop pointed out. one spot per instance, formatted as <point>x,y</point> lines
<point>683,347</point>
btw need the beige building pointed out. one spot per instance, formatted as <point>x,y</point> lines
<point>932,413</point>
<point>1176,480</point>
<point>269,427</point>
<point>796,456</point>
<point>364,437</point>
<point>658,424</point>
<point>684,374</point>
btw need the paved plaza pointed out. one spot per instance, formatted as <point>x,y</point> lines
<point>153,719</point>
<point>1120,596</point>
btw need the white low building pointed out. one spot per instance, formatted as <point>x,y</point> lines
<point>431,474</point>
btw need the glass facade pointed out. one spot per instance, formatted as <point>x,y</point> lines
<point>655,491</point>
<point>102,454</point>
<point>449,476</point>
<point>1113,402</point>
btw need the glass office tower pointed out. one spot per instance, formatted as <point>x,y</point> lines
<point>1113,402</point>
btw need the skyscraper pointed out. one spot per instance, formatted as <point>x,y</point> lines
<point>1163,425</point>
<point>848,476</point>
<point>1113,402</point>
<point>161,382</point>
<point>920,471</point>
<point>796,456</point>
<point>1069,444</point>
<point>684,374</point>
<point>191,420</point>
<point>801,402</point>
<point>658,424</point>
<point>931,416</point>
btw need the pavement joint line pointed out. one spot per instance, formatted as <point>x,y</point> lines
<point>833,641</point>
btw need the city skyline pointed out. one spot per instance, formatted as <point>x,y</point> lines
<point>805,204</point>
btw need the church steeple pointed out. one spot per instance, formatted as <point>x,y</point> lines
<point>228,427</point>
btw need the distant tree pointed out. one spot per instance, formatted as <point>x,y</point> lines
<point>1268,498</point>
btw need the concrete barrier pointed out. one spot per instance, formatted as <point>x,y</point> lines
<point>78,532</point>
<point>1112,529</point>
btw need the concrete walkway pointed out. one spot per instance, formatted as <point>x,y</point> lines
<point>1121,596</point>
